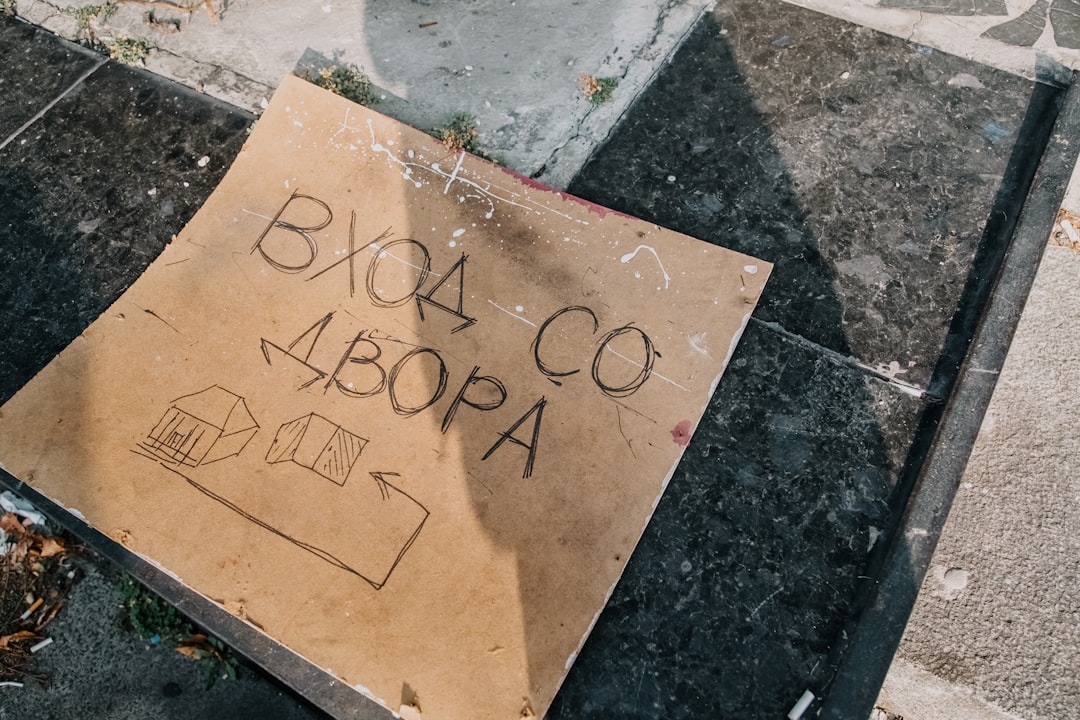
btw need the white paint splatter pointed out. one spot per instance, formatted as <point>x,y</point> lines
<point>697,344</point>
<point>453,243</point>
<point>520,308</point>
<point>750,269</point>
<point>487,190</point>
<point>630,256</point>
<point>735,342</point>
<point>459,232</point>
<point>511,314</point>
<point>635,363</point>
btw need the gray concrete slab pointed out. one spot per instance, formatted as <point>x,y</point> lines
<point>1027,37</point>
<point>35,71</point>
<point>512,65</point>
<point>749,569</point>
<point>997,623</point>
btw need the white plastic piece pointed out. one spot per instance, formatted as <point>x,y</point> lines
<point>800,707</point>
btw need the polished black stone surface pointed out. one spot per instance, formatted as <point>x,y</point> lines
<point>842,155</point>
<point>876,175</point>
<point>34,69</point>
<point>731,603</point>
<point>92,192</point>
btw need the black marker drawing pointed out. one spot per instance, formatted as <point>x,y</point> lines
<point>317,444</point>
<point>310,249</point>
<point>310,374</point>
<point>202,428</point>
<point>214,424</point>
<point>380,571</point>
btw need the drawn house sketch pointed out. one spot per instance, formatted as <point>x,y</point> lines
<point>316,443</point>
<point>214,424</point>
<point>202,428</point>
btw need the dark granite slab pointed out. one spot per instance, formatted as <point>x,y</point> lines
<point>745,576</point>
<point>882,179</point>
<point>865,167</point>
<point>92,193</point>
<point>34,69</point>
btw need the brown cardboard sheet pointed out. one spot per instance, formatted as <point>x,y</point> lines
<point>403,410</point>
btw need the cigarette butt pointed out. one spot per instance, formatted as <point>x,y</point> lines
<point>429,24</point>
<point>44,643</point>
<point>800,707</point>
<point>1070,231</point>
<point>10,683</point>
<point>30,610</point>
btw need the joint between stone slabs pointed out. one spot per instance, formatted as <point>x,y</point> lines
<point>847,361</point>
<point>43,111</point>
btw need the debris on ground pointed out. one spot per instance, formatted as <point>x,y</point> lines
<point>880,713</point>
<point>1066,232</point>
<point>35,577</point>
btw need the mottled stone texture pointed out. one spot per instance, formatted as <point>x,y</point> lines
<point>848,159</point>
<point>733,598</point>
<point>843,155</point>
<point>34,69</point>
<point>92,192</point>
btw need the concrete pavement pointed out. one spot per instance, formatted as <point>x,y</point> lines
<point>996,630</point>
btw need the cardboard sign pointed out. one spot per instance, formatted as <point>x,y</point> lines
<point>403,410</point>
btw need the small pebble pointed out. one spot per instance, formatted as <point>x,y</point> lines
<point>203,161</point>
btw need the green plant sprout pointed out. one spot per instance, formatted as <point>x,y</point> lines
<point>348,81</point>
<point>597,90</point>
<point>129,51</point>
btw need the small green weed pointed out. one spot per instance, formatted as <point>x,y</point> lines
<point>129,51</point>
<point>348,81</point>
<point>597,90</point>
<point>460,133</point>
<point>87,15</point>
<point>159,622</point>
<point>150,616</point>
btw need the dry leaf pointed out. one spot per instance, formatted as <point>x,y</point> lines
<point>51,546</point>
<point>197,647</point>
<point>49,614</point>
<point>6,640</point>
<point>195,653</point>
<point>10,523</point>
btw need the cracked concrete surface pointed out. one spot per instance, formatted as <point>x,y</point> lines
<point>512,65</point>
